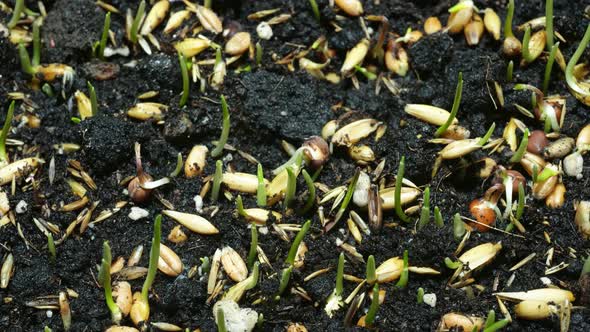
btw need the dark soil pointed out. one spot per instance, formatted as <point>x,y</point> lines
<point>269,104</point>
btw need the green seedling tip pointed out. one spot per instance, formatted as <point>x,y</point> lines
<point>185,80</point>
<point>370,273</point>
<point>398,190</point>
<point>261,189</point>
<point>36,42</point>
<point>403,279</point>
<point>456,102</point>
<point>104,36</point>
<point>438,218</point>
<point>217,180</point>
<point>549,24</point>
<point>154,256</point>
<point>509,71</point>
<point>546,174</point>
<point>240,207</point>
<point>295,245</point>
<point>425,212</point>
<point>105,280</point>
<point>458,227</point>
<point>348,196</point>
<point>4,134</point>
<point>373,308</point>
<point>451,264</point>
<point>340,275</point>
<point>586,267</point>
<point>19,6</point>
<point>224,130</point>
<point>521,199</point>
<point>221,321</point>
<point>526,54</point>
<point>253,253</point>
<point>315,9</point>
<point>572,82</point>
<point>136,21</point>
<point>549,66</point>
<point>517,157</point>
<point>508,21</point>
<point>25,60</point>
<point>311,192</point>
<point>420,296</point>
<point>178,168</point>
<point>291,188</point>
<point>487,136</point>
<point>51,247</point>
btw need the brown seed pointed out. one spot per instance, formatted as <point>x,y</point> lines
<point>560,148</point>
<point>511,46</point>
<point>317,151</point>
<point>238,44</point>
<point>177,235</point>
<point>556,199</point>
<point>537,142</point>
<point>350,7</point>
<point>492,23</point>
<point>432,25</point>
<point>473,31</point>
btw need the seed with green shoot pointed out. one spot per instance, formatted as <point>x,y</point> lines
<point>19,6</point>
<point>261,189</point>
<point>420,296</point>
<point>315,9</point>
<point>220,319</point>
<point>517,157</point>
<point>365,72</point>
<point>509,71</point>
<point>93,99</point>
<point>373,308</point>
<point>425,212</point>
<point>179,164</point>
<point>311,192</point>
<point>185,81</point>
<point>549,67</point>
<point>48,90</point>
<point>549,23</point>
<point>335,302</point>
<point>36,42</point>
<point>348,196</point>
<point>291,187</point>
<point>497,325</point>
<point>25,60</point>
<point>104,36</point>
<point>253,253</point>
<point>403,278</point>
<point>438,218</point>
<point>217,180</point>
<point>224,131</point>
<point>398,190</point>
<point>105,280</point>
<point>135,26</point>
<point>458,227</point>
<point>371,276</point>
<point>580,92</point>
<point>456,102</point>
<point>511,45</point>
<point>295,245</point>
<point>51,247</point>
<point>4,134</point>
<point>452,265</point>
<point>521,199</point>
<point>491,319</point>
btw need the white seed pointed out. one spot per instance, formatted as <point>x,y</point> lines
<point>492,23</point>
<point>176,20</point>
<point>431,114</point>
<point>6,271</point>
<point>350,7</point>
<point>137,213</point>
<point>155,16</point>
<point>355,56</point>
<point>242,182</point>
<point>135,256</point>
<point>534,310</point>
<point>407,196</point>
<point>389,270</point>
<point>355,131</point>
<point>196,161</point>
<point>190,47</point>
<point>583,139</point>
<point>233,264</point>
<point>193,222</point>
<point>21,207</point>
<point>329,129</point>
<point>547,295</point>
<point>208,19</point>
<point>360,197</point>
<point>264,31</point>
<point>238,44</point>
<point>169,262</point>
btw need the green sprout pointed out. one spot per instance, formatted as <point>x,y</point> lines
<point>104,278</point>
<point>19,6</point>
<point>487,136</point>
<point>217,180</point>
<point>546,174</point>
<point>425,212</point>
<point>224,131</point>
<point>508,21</point>
<point>48,90</point>
<point>586,267</point>
<point>348,196</point>
<point>398,190</point>
<point>136,21</point>
<point>290,261</point>
<point>259,51</point>
<point>253,253</point>
<point>517,157</point>
<point>46,329</point>
<point>509,71</point>
<point>25,60</point>
<point>221,321</point>
<point>315,9</point>
<point>572,82</point>
<point>51,247</point>
<point>373,308</point>
<point>185,81</point>
<point>535,174</point>
<point>526,54</point>
<point>178,167</point>
<point>451,264</point>
<point>240,207</point>
<point>521,199</point>
<point>366,73</point>
<point>36,42</point>
<point>420,295</point>
<point>491,325</point>
<point>93,99</point>
<point>311,189</point>
<point>104,36</point>
<point>291,187</point>
<point>549,67</point>
<point>207,3</point>
<point>403,279</point>
<point>285,276</point>
<point>438,218</point>
<point>154,256</point>
<point>458,227</point>
<point>549,24</point>
<point>456,102</point>
<point>371,276</point>
<point>236,292</point>
<point>334,301</point>
<point>4,135</point>
<point>261,190</point>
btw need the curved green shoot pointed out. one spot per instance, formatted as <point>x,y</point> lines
<point>420,295</point>
<point>517,157</point>
<point>549,24</point>
<point>261,190</point>
<point>456,102</point>
<point>48,90</point>
<point>509,71</point>
<point>185,81</point>
<point>291,188</point>
<point>491,319</point>
<point>526,54</point>
<point>487,136</point>
<point>104,36</point>
<point>572,82</point>
<point>25,60</point>
<point>508,21</point>
<point>51,247</point>
<point>315,9</point>
<point>221,321</point>
<point>178,169</point>
<point>154,256</point>
<point>4,134</point>
<point>285,277</point>
<point>295,245</point>
<point>36,42</point>
<point>452,265</point>
<point>458,227</point>
<point>348,196</point>
<point>425,212</point>
<point>224,130</point>
<point>105,280</point>
<point>217,180</point>
<point>398,190</point>
<point>373,308</point>
<point>253,253</point>
<point>403,278</point>
<point>546,173</point>
<point>19,6</point>
<point>93,99</point>
<point>371,276</point>
<point>311,189</point>
<point>549,67</point>
<point>136,21</point>
<point>438,218</point>
<point>497,325</point>
<point>340,275</point>
<point>521,199</point>
<point>240,207</point>
<point>586,267</point>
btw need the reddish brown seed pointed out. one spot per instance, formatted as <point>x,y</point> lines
<point>511,47</point>
<point>537,142</point>
<point>517,178</point>
<point>482,211</point>
<point>316,150</point>
<point>136,192</point>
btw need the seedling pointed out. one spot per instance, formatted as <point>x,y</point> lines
<point>93,99</point>
<point>179,164</point>
<point>348,196</point>
<point>547,112</point>
<point>420,295</point>
<point>36,42</point>
<point>19,6</point>
<point>290,261</point>
<point>366,73</point>
<point>221,321</point>
<point>509,71</point>
<point>546,173</point>
<point>104,278</point>
<point>259,51</point>
<point>398,190</point>
<point>456,102</point>
<point>373,308</point>
<point>334,302</point>
<point>491,325</point>
<point>549,66</point>
<point>517,157</point>
<point>508,21</point>
<point>240,207</point>
<point>458,227</point>
<point>438,218</point>
<point>224,131</point>
<point>104,36</point>
<point>549,24</point>
<point>291,187</point>
<point>253,253</point>
<point>135,26</point>
<point>311,192</point>
<point>586,267</point>
<point>425,212</point>
<point>261,190</point>
<point>217,180</point>
<point>141,304</point>
<point>403,278</point>
<point>25,60</point>
<point>48,90</point>
<point>526,54</point>
<point>315,9</point>
<point>51,247</point>
<point>581,92</point>
<point>371,275</point>
<point>4,134</point>
<point>452,265</point>
<point>521,199</point>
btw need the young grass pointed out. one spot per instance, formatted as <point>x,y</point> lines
<point>456,102</point>
<point>224,130</point>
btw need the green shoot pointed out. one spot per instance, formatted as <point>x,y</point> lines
<point>217,180</point>
<point>438,218</point>
<point>535,174</point>
<point>285,277</point>
<point>154,256</point>
<point>509,71</point>
<point>105,280</point>
<point>526,54</point>
<point>456,102</point>
<point>295,245</point>
<point>48,90</point>
<point>521,199</point>
<point>371,276</point>
<point>316,174</point>
<point>104,36</point>
<point>240,207</point>
<point>586,267</point>
<point>497,325</point>
<point>178,169</point>
<point>25,60</point>
<point>425,212</point>
<point>4,134</point>
<point>311,189</point>
<point>315,9</point>
<point>458,227</point>
<point>420,296</point>
<point>487,136</point>
<point>508,21</point>
<point>521,148</point>
<point>36,43</point>
<point>403,278</point>
<point>185,81</point>
<point>93,99</point>
<point>546,174</point>
<point>205,264</point>
<point>253,253</point>
<point>398,190</point>
<point>224,131</point>
<point>207,3</point>
<point>221,321</point>
<point>348,196</point>
<point>452,265</point>
<point>261,190</point>
<point>373,308</point>
<point>572,82</point>
<point>366,73</point>
<point>46,329</point>
<point>19,6</point>
<point>549,24</point>
<point>340,275</point>
<point>136,21</point>
<point>334,301</point>
<point>51,247</point>
<point>258,54</point>
<point>291,187</point>
<point>491,319</point>
<point>549,67</point>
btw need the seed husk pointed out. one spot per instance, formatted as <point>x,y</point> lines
<point>238,44</point>
<point>350,7</point>
<point>546,295</point>
<point>480,255</point>
<point>396,58</point>
<point>124,297</point>
<point>146,111</point>
<point>208,19</point>
<point>169,262</point>
<point>18,169</point>
<point>193,222</point>
<point>155,16</point>
<point>542,189</point>
<point>300,255</point>
<point>116,328</point>
<point>215,263</point>
<point>492,23</point>
<point>389,270</point>
<point>432,25</point>
<point>176,20</point>
<point>560,148</point>
<point>556,199</point>
<point>242,182</point>
<point>464,322</point>
<point>162,326</point>
<point>177,235</point>
<point>529,161</point>
<point>582,218</point>
<point>190,47</point>
<point>430,114</point>
<point>233,264</point>
<point>573,165</point>
<point>355,56</point>
<point>196,161</point>
<point>458,149</point>
<point>84,106</point>
<point>354,132</point>
<point>388,196</point>
<point>329,129</point>
<point>473,30</point>
<point>260,216</point>
<point>361,153</point>
<point>458,20</point>
<point>537,44</point>
<point>6,271</point>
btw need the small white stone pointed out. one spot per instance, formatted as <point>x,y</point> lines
<point>263,230</point>
<point>49,313</point>
<point>198,203</point>
<point>360,197</point>
<point>573,165</point>
<point>546,281</point>
<point>21,207</point>
<point>138,213</point>
<point>430,299</point>
<point>339,242</point>
<point>264,31</point>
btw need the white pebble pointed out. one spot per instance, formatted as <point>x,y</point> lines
<point>21,207</point>
<point>262,230</point>
<point>198,203</point>
<point>264,31</point>
<point>573,165</point>
<point>49,313</point>
<point>430,299</point>
<point>138,213</point>
<point>360,197</point>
